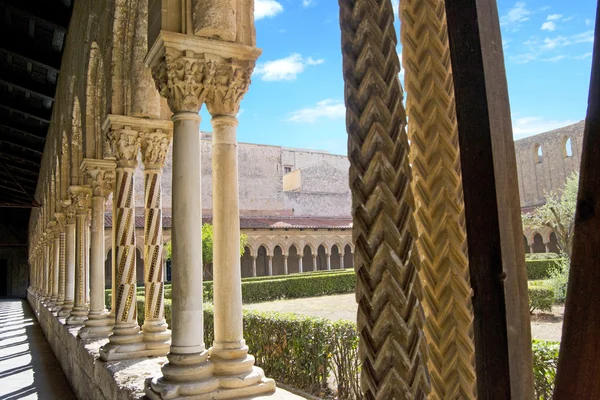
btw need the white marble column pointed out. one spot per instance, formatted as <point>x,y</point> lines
<point>341,259</point>
<point>300,268</point>
<point>60,300</point>
<point>328,255</point>
<point>285,265</point>
<point>254,266</point>
<point>80,196</point>
<point>155,145</point>
<point>69,212</point>
<point>314,257</point>
<point>101,177</point>
<point>126,340</point>
<point>270,261</point>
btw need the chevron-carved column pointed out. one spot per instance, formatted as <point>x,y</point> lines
<point>126,340</point>
<point>60,300</point>
<point>101,176</point>
<point>392,346</point>
<point>155,145</point>
<point>439,205</point>
<point>80,198</point>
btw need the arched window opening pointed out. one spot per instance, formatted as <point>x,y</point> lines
<point>527,250</point>
<point>278,268</point>
<point>335,257</point>
<point>321,258</point>
<point>293,260</point>
<point>538,244</point>
<point>246,263</point>
<point>568,148</point>
<point>538,154</point>
<point>307,259</point>
<point>553,244</point>
<point>348,258</point>
<point>262,263</point>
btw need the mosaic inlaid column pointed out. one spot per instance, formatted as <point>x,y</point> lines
<point>55,263</point>
<point>126,340</point>
<point>60,300</point>
<point>101,178</point>
<point>69,212</point>
<point>155,145</point>
<point>46,267</point>
<point>80,197</point>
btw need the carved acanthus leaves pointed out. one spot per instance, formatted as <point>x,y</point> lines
<point>187,82</point>
<point>80,198</point>
<point>68,210</point>
<point>125,144</point>
<point>101,182</point>
<point>60,221</point>
<point>155,146</point>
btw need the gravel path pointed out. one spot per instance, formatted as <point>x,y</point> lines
<point>343,306</point>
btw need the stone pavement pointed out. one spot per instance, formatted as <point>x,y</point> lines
<point>28,368</point>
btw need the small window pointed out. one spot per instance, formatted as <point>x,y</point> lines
<point>287,170</point>
<point>538,154</point>
<point>568,148</point>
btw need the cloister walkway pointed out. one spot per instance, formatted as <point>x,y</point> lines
<point>28,368</point>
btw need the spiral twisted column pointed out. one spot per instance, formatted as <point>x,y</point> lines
<point>60,300</point>
<point>155,145</point>
<point>80,198</point>
<point>69,211</point>
<point>126,340</point>
<point>392,346</point>
<point>101,176</point>
<point>439,205</point>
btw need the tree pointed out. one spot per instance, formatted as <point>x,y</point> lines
<point>558,214</point>
<point>207,244</point>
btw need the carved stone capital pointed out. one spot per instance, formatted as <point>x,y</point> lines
<point>80,198</point>
<point>101,176</point>
<point>69,211</point>
<point>155,146</point>
<point>60,221</point>
<point>190,70</point>
<point>125,145</point>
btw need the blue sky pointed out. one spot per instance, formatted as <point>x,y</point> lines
<point>296,96</point>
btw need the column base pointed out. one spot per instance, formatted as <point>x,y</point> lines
<point>157,335</point>
<point>66,309</point>
<point>125,343</point>
<point>97,326</point>
<point>78,315</point>
<point>57,306</point>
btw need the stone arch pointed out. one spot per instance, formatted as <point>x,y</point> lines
<point>293,259</point>
<point>278,244</point>
<point>76,142</point>
<point>538,244</point>
<point>278,260</point>
<point>322,255</point>
<point>348,257</point>
<point>246,262</point>
<point>336,255</point>
<point>94,142</point>
<point>262,261</point>
<point>307,258</point>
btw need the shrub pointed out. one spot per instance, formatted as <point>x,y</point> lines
<point>545,361</point>
<point>541,297</point>
<point>541,269</point>
<point>559,280</point>
<point>542,256</point>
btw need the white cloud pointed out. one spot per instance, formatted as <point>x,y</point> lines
<point>515,16</point>
<point>266,9</point>
<point>536,48</point>
<point>548,26</point>
<point>584,56</point>
<point>285,69</point>
<point>328,108</point>
<point>555,58</point>
<point>554,17</point>
<point>308,3</point>
<point>528,126</point>
<point>401,74</point>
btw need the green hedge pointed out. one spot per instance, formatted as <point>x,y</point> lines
<point>540,298</point>
<point>542,269</point>
<point>303,351</point>
<point>542,256</point>
<point>260,289</point>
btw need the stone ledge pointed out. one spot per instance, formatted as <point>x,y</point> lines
<point>92,378</point>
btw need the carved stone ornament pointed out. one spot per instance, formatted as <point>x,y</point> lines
<point>125,145</point>
<point>102,182</point>
<point>68,210</point>
<point>187,82</point>
<point>155,146</point>
<point>60,221</point>
<point>65,145</point>
<point>80,198</point>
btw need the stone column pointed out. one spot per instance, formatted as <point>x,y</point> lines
<point>300,269</point>
<point>55,263</point>
<point>46,267</point>
<point>60,218</point>
<point>254,266</point>
<point>101,177</point>
<point>341,253</point>
<point>547,245</point>
<point>315,267</point>
<point>80,196</point>
<point>270,260</point>
<point>69,212</point>
<point>155,145</point>
<point>126,340</point>
<point>328,261</point>
<point>285,265</point>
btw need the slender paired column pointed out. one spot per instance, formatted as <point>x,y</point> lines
<point>46,267</point>
<point>547,245</point>
<point>60,300</point>
<point>315,267</point>
<point>126,340</point>
<point>69,211</point>
<point>328,255</point>
<point>285,265</point>
<point>80,196</point>
<point>155,145</point>
<point>55,263</point>
<point>253,265</point>
<point>101,177</point>
<point>300,268</point>
<point>269,260</point>
<point>341,253</point>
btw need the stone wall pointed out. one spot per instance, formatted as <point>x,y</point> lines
<point>539,175</point>
<point>300,158</point>
<point>319,204</point>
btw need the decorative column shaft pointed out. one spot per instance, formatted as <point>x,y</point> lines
<point>65,311</point>
<point>60,218</point>
<point>80,196</point>
<point>101,176</point>
<point>155,145</point>
<point>46,266</point>
<point>126,340</point>
<point>439,206</point>
<point>55,265</point>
